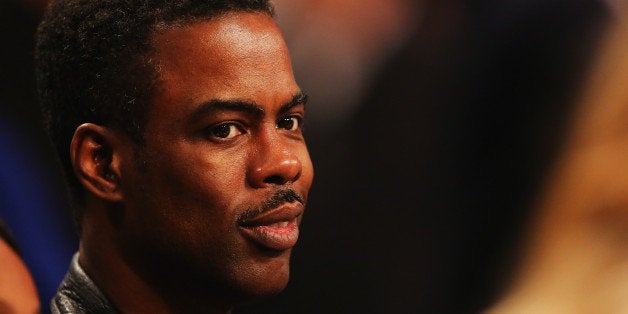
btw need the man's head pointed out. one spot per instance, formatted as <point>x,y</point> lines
<point>94,63</point>
<point>183,125</point>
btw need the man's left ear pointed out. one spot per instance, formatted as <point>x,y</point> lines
<point>96,156</point>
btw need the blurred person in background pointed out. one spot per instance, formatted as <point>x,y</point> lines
<point>18,293</point>
<point>32,200</point>
<point>573,259</point>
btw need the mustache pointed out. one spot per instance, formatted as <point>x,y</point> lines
<point>279,198</point>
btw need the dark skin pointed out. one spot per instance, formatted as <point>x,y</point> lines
<point>204,214</point>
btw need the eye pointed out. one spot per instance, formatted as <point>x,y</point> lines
<point>289,123</point>
<point>225,131</point>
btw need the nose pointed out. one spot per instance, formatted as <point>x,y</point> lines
<point>274,165</point>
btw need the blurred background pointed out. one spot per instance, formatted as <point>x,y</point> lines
<point>32,201</point>
<point>431,124</point>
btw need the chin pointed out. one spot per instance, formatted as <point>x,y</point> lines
<point>267,280</point>
<point>276,285</point>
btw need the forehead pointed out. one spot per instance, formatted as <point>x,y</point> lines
<point>244,33</point>
<point>227,56</point>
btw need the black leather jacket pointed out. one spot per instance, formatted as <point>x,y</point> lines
<point>78,294</point>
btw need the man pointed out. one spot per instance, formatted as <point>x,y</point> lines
<point>179,127</point>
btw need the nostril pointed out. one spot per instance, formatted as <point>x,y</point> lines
<point>276,179</point>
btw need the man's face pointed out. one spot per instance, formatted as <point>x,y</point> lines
<point>214,197</point>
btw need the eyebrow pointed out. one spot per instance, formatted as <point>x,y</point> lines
<point>249,107</point>
<point>299,98</point>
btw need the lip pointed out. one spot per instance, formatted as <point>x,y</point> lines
<point>277,229</point>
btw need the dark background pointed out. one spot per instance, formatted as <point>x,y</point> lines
<point>420,192</point>
<point>32,199</point>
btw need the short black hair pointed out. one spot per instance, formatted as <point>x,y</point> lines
<point>93,64</point>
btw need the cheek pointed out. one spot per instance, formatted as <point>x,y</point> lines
<point>194,174</point>
<point>184,205</point>
<point>184,189</point>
